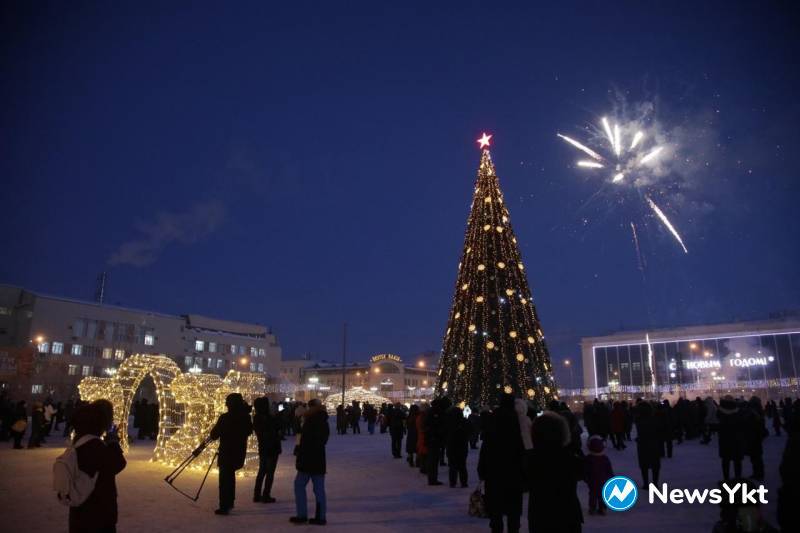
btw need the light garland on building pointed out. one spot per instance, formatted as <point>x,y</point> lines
<point>358,394</point>
<point>494,341</point>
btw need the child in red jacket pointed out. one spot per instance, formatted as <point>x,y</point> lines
<point>598,471</point>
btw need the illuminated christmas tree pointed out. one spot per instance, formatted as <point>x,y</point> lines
<point>494,342</point>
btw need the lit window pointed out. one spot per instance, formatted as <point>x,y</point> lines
<point>233,349</point>
<point>199,346</point>
<point>262,352</point>
<point>77,349</point>
<point>198,361</point>
<point>210,363</point>
<point>212,347</point>
<point>252,367</point>
<point>188,360</point>
<point>37,389</point>
<point>242,350</point>
<point>106,353</point>
<point>43,347</point>
<point>260,367</point>
<point>220,362</point>
<point>72,370</point>
<point>86,371</point>
<point>119,354</point>
<point>253,352</point>
<point>149,339</point>
<point>58,348</point>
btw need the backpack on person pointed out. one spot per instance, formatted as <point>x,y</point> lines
<point>73,486</point>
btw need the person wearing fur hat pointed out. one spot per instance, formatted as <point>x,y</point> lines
<point>554,474</point>
<point>731,437</point>
<point>500,464</point>
<point>232,429</point>
<point>598,471</point>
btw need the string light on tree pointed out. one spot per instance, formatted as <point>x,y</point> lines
<point>491,294</point>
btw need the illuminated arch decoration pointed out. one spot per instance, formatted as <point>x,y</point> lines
<point>358,394</point>
<point>189,404</point>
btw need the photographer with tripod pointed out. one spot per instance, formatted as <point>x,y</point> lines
<point>232,429</point>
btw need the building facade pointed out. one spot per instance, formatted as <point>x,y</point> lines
<point>48,343</point>
<point>759,357</point>
<point>384,374</point>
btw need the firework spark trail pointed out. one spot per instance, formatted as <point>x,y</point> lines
<point>638,251</point>
<point>657,210</point>
<point>636,138</point>
<point>589,164</point>
<point>581,147</point>
<point>653,153</point>
<point>607,127</point>
<point>617,141</point>
<point>650,361</point>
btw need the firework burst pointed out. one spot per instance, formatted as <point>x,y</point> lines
<point>629,156</point>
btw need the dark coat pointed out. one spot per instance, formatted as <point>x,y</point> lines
<point>554,506</point>
<point>457,438</point>
<point>411,429</point>
<point>313,438</point>
<point>648,441</point>
<point>500,462</point>
<point>731,432</point>
<point>99,511</point>
<point>267,430</point>
<point>597,471</point>
<point>397,421</point>
<point>232,429</point>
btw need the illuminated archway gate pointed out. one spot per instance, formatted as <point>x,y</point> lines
<point>189,404</point>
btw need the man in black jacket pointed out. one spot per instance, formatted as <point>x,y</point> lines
<point>310,463</point>
<point>232,429</point>
<point>267,430</point>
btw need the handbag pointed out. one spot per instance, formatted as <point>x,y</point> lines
<point>477,503</point>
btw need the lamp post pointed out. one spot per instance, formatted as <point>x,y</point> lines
<point>568,364</point>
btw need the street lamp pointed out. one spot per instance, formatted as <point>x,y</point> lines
<point>421,364</point>
<point>568,364</point>
<point>243,361</point>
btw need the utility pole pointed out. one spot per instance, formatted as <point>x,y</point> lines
<point>344,358</point>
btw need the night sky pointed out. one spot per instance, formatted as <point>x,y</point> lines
<point>300,164</point>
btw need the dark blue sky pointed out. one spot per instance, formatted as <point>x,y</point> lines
<point>300,165</point>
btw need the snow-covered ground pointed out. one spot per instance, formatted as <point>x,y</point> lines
<point>367,491</point>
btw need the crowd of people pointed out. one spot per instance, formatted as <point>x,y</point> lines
<point>522,449</point>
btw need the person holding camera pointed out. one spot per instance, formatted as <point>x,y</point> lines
<point>232,429</point>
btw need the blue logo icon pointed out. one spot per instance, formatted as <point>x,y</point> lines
<point>620,493</point>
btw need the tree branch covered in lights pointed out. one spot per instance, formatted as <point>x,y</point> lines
<point>494,342</point>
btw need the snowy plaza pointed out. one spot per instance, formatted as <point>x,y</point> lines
<point>367,491</point>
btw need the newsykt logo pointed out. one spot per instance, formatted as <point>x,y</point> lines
<point>620,493</point>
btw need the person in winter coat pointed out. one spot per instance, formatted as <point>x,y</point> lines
<point>435,437</point>
<point>422,446</point>
<point>598,471</point>
<point>710,421</point>
<point>397,428</point>
<point>731,437</point>
<point>268,432</point>
<point>37,426</point>
<point>100,456</point>
<point>232,429</point>
<point>618,426</point>
<point>500,466</point>
<point>474,420</point>
<point>755,430</point>
<point>457,446</point>
<point>789,491</point>
<point>310,463</point>
<point>371,416</point>
<point>19,424</point>
<point>554,474</point>
<point>411,431</point>
<point>663,416</point>
<point>648,443</point>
